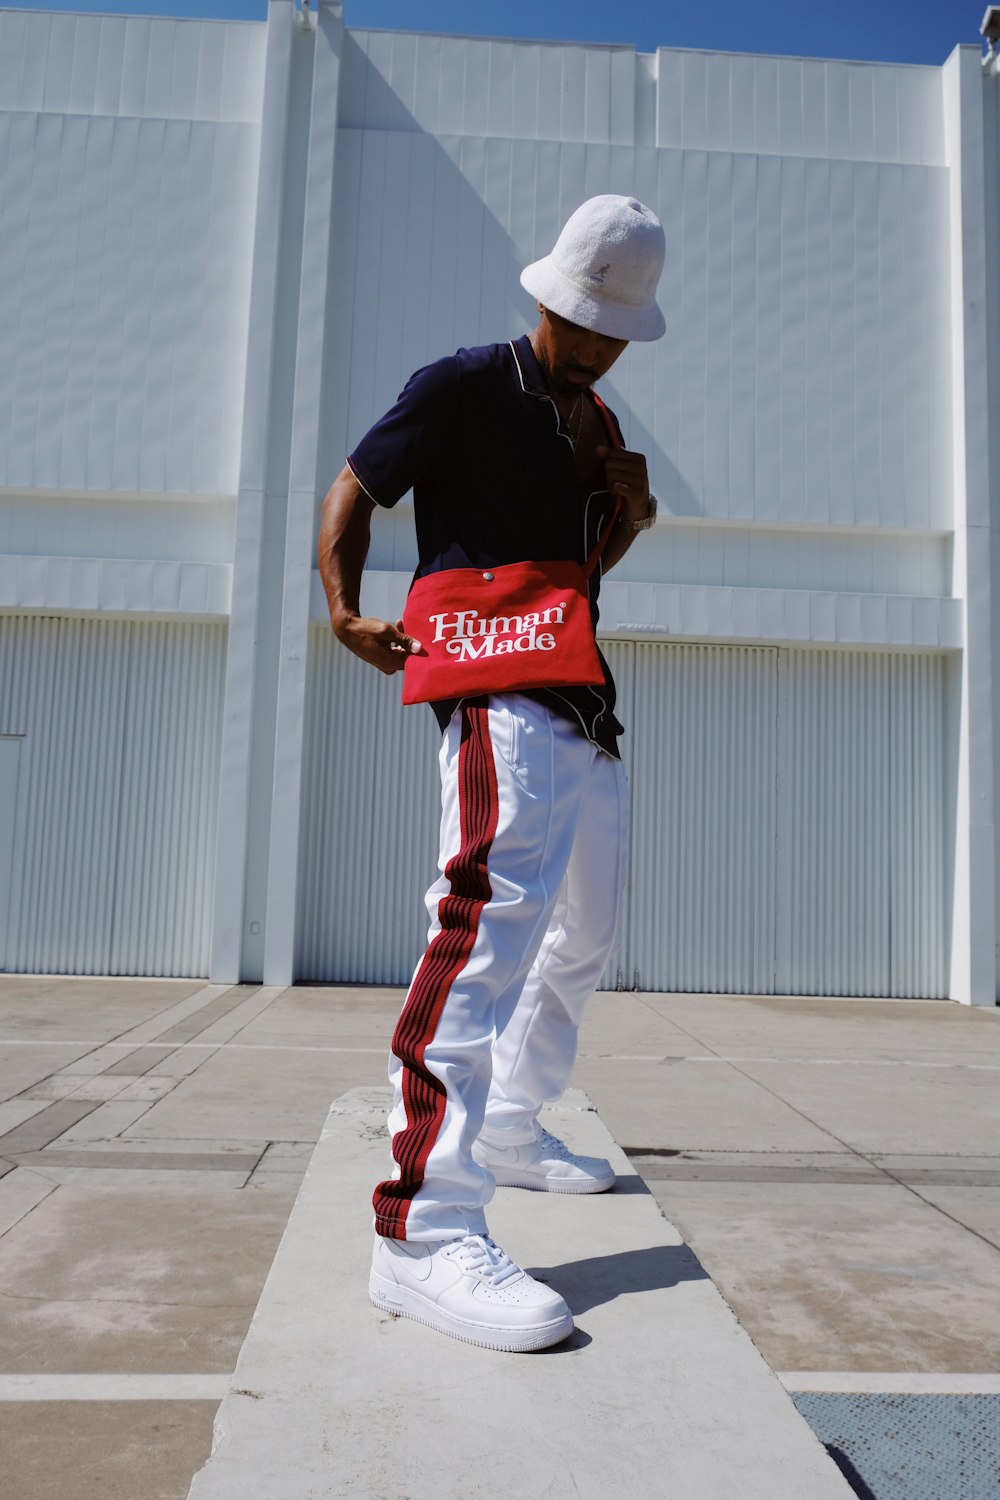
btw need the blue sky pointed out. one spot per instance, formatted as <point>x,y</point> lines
<point>917,31</point>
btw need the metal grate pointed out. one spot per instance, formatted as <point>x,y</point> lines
<point>910,1447</point>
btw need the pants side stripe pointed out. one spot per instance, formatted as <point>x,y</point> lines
<point>424,1095</point>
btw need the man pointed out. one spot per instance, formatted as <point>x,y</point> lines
<point>510,459</point>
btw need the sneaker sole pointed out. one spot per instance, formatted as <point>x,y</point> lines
<point>400,1302</point>
<point>506,1178</point>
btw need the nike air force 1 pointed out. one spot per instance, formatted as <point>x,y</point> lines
<point>545,1164</point>
<point>469,1289</point>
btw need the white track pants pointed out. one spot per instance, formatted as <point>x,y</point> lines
<point>534,827</point>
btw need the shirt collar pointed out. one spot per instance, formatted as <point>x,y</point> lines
<point>528,369</point>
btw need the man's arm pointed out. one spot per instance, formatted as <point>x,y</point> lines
<point>344,536</point>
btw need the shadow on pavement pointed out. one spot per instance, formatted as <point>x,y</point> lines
<point>590,1283</point>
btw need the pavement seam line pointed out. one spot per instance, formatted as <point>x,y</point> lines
<point>186,1386</point>
<point>892,1383</point>
<point>863,1156</point>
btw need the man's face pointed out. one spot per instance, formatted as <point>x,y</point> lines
<point>573,357</point>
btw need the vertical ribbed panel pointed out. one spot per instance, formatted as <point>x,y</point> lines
<point>170,786</point>
<point>806,376</point>
<point>919,822</point>
<point>125,251</point>
<point>796,106</point>
<point>64,684</point>
<point>113,845</point>
<point>789,826</point>
<point>488,87</point>
<point>128,172</point>
<point>700,751</point>
<point>131,65</point>
<point>370,822</point>
<point>862,825</point>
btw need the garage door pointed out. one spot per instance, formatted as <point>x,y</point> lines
<point>110,844</point>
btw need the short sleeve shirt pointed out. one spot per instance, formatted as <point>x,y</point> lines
<point>478,439</point>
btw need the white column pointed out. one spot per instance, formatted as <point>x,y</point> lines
<point>304,486</point>
<point>244,709</point>
<point>974,916</point>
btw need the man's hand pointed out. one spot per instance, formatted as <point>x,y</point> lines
<point>626,476</point>
<point>377,642</point>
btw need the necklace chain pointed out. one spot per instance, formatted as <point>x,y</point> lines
<point>575,427</point>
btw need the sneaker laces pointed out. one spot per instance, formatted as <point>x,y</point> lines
<point>483,1257</point>
<point>554,1146</point>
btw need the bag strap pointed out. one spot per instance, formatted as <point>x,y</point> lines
<point>605,537</point>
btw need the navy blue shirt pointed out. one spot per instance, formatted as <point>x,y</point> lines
<point>478,439</point>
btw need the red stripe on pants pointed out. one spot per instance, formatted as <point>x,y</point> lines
<point>424,1095</point>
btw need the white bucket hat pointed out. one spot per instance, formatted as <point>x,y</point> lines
<point>603,269</point>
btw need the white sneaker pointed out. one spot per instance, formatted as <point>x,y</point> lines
<point>469,1288</point>
<point>546,1164</point>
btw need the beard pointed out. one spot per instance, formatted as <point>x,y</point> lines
<point>560,383</point>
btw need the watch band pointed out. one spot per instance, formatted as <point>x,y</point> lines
<point>645,522</point>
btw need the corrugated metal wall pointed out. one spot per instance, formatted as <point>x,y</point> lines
<point>700,751</point>
<point>862,825</point>
<point>368,848</point>
<point>113,850</point>
<point>129,152</point>
<point>789,829</point>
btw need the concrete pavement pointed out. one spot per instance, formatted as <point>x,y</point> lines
<point>834,1165</point>
<point>659,1390</point>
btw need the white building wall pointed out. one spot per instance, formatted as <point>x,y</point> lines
<point>128,163</point>
<point>320,211</point>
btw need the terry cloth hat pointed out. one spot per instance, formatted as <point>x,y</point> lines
<point>603,269</point>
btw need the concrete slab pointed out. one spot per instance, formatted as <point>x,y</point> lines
<point>685,1105</point>
<point>112,1055</point>
<point>118,1175</point>
<point>185,1060</point>
<point>25,1065</point>
<point>153,1086</point>
<point>318,1015</point>
<point>142,1060</point>
<point>260,1093</point>
<point>624,1025</point>
<point>61,1085</point>
<point>102,1449</point>
<point>60,1005</point>
<point>752,1024</point>
<point>139,1277</point>
<point>45,1125</point>
<point>147,1159</point>
<point>658,1392</point>
<point>15,1111</point>
<point>196,1000</point>
<point>756,1166</point>
<point>841,1277</point>
<point>909,1110</point>
<point>236,1020</point>
<point>21,1190</point>
<point>233,1153</point>
<point>105,1122</point>
<point>214,1009</point>
<point>976,1208</point>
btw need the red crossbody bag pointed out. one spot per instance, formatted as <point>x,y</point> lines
<point>506,628</point>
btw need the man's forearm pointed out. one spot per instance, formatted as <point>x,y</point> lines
<point>344,538</point>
